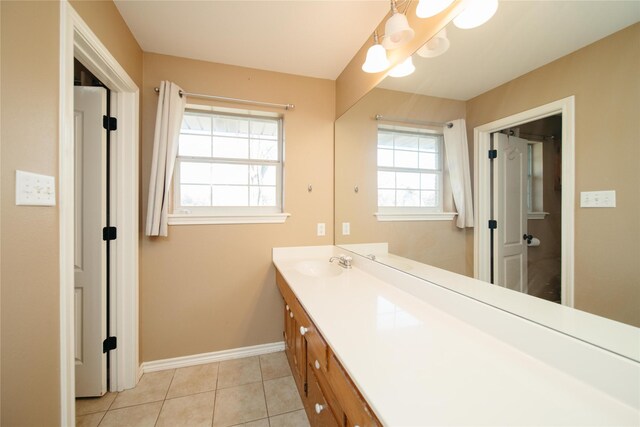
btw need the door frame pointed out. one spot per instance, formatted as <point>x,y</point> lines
<point>77,40</point>
<point>482,189</point>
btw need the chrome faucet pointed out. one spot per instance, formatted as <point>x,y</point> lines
<point>344,261</point>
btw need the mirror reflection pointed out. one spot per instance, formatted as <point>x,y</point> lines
<point>568,208</point>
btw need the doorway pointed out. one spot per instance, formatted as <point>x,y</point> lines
<point>92,250</point>
<point>484,185</point>
<point>78,41</point>
<point>526,198</point>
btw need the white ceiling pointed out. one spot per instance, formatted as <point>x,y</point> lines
<point>315,38</point>
<point>522,36</point>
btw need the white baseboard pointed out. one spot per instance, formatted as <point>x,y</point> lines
<point>216,356</point>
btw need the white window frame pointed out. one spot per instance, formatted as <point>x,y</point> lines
<point>535,181</point>
<point>191,215</point>
<point>403,213</point>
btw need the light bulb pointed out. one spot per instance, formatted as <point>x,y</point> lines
<point>376,60</point>
<point>403,69</point>
<point>438,45</point>
<point>477,13</point>
<point>397,31</point>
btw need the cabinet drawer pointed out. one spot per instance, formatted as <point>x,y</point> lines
<point>353,405</point>
<point>317,346</point>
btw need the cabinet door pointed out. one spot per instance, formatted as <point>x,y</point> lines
<point>295,349</point>
<point>289,330</point>
<point>300,355</point>
<point>320,413</point>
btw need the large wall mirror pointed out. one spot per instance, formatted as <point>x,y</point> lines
<point>393,179</point>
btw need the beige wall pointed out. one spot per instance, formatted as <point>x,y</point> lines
<point>29,243</point>
<point>212,287</point>
<point>30,352</point>
<point>603,77</point>
<point>439,243</point>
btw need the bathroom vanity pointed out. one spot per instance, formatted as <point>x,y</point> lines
<point>371,345</point>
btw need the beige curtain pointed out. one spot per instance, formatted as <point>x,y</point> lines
<point>457,153</point>
<point>165,148</point>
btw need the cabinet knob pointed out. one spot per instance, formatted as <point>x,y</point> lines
<point>303,330</point>
<point>319,408</point>
<point>291,314</point>
<point>317,365</point>
<point>287,307</point>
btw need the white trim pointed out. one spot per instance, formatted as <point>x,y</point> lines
<point>77,40</point>
<point>216,356</point>
<point>427,216</point>
<point>482,177</point>
<point>537,215</point>
<point>67,205</point>
<point>190,219</point>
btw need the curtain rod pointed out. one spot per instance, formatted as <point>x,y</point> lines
<point>241,101</point>
<point>415,122</point>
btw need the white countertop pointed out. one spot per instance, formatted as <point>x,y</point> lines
<point>418,365</point>
<point>622,339</point>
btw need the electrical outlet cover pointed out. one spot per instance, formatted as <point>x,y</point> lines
<point>33,189</point>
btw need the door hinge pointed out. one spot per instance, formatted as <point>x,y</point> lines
<point>493,224</point>
<point>305,388</point>
<point>109,123</point>
<point>493,154</point>
<point>109,233</point>
<point>111,343</point>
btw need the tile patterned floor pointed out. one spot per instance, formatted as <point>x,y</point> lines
<point>254,392</point>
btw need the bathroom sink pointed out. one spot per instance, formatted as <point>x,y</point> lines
<point>318,268</point>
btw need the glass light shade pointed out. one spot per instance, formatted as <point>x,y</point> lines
<point>429,8</point>
<point>477,13</point>
<point>438,45</point>
<point>397,31</point>
<point>376,60</point>
<point>403,69</point>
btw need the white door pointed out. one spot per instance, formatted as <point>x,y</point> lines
<point>510,212</point>
<point>90,249</point>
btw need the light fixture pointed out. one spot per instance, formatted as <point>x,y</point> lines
<point>477,13</point>
<point>397,31</point>
<point>436,46</point>
<point>376,60</point>
<point>403,69</point>
<point>429,8</point>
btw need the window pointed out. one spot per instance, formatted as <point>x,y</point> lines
<point>410,174</point>
<point>535,180</point>
<point>228,168</point>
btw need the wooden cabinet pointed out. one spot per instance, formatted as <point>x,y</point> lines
<point>330,398</point>
<point>295,348</point>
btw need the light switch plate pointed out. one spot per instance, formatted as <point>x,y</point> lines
<point>33,189</point>
<point>598,199</point>
<point>346,228</point>
<point>321,229</point>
